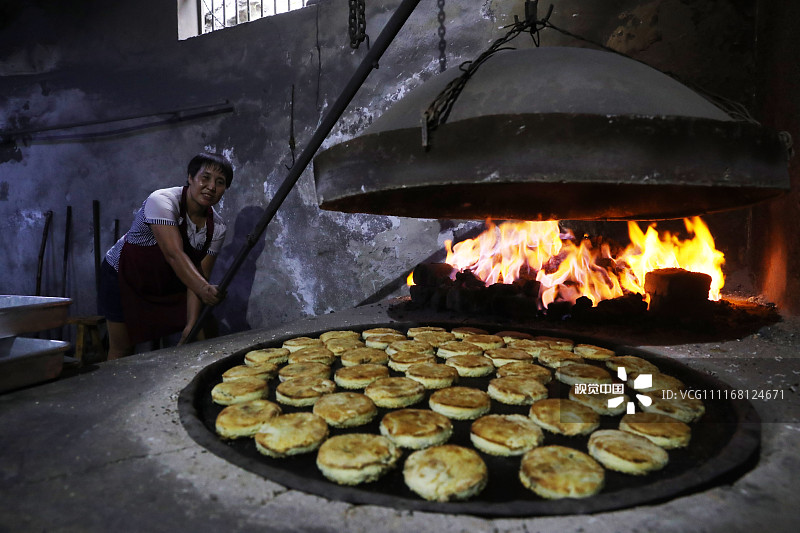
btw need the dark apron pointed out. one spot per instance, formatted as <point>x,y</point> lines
<point>153,297</point>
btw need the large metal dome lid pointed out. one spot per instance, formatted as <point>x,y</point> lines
<point>555,133</point>
<point>555,80</point>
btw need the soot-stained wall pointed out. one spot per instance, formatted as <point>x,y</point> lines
<point>71,62</point>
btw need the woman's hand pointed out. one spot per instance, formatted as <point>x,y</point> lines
<point>171,245</point>
<point>210,294</point>
<point>185,334</point>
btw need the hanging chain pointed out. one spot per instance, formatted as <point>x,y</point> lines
<point>440,108</point>
<point>442,31</point>
<point>358,23</point>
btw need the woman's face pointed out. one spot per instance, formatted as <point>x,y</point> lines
<point>207,186</point>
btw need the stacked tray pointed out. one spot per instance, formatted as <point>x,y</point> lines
<point>27,361</point>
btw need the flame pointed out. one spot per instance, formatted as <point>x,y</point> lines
<point>500,253</point>
<point>567,268</point>
<point>649,251</point>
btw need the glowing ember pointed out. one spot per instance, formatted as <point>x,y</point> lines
<point>567,268</point>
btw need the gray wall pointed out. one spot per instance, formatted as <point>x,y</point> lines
<point>63,62</point>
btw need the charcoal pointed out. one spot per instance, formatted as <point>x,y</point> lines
<point>439,299</point>
<point>583,309</point>
<point>462,300</point>
<point>530,287</point>
<point>559,310</point>
<point>420,294</point>
<point>467,279</point>
<point>516,307</point>
<point>677,292</point>
<point>679,302</point>
<point>498,290</point>
<point>433,274</point>
<point>583,303</point>
<point>631,304</point>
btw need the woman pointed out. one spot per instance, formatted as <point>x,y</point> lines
<point>171,246</point>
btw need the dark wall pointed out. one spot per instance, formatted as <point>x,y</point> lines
<point>774,236</point>
<point>66,62</point>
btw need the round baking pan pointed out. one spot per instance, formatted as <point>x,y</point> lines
<point>724,445</point>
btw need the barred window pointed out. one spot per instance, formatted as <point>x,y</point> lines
<point>212,15</point>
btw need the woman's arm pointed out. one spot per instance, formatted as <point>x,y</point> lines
<point>171,245</point>
<point>193,303</point>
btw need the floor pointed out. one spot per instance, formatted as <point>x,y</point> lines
<point>105,449</point>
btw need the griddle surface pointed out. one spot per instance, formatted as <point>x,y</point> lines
<point>724,445</point>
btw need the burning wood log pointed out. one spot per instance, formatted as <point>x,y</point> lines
<point>676,291</point>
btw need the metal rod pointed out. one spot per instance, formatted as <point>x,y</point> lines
<point>96,231</point>
<point>369,62</point>
<point>48,217</point>
<point>212,15</point>
<point>136,127</point>
<point>225,105</point>
<point>67,228</point>
<point>201,19</point>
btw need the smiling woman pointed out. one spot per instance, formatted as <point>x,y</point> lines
<point>155,277</point>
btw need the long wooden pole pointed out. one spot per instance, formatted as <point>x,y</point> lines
<point>48,217</point>
<point>67,229</point>
<point>96,240</point>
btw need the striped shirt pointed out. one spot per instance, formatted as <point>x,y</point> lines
<point>163,207</point>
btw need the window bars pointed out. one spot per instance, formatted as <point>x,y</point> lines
<point>218,14</point>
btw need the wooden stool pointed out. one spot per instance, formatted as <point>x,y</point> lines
<point>87,338</point>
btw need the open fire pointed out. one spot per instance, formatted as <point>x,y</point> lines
<point>567,267</point>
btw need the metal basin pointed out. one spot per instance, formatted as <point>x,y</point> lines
<point>28,314</point>
<point>26,361</point>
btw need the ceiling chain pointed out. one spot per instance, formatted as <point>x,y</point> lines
<point>440,108</point>
<point>358,23</point>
